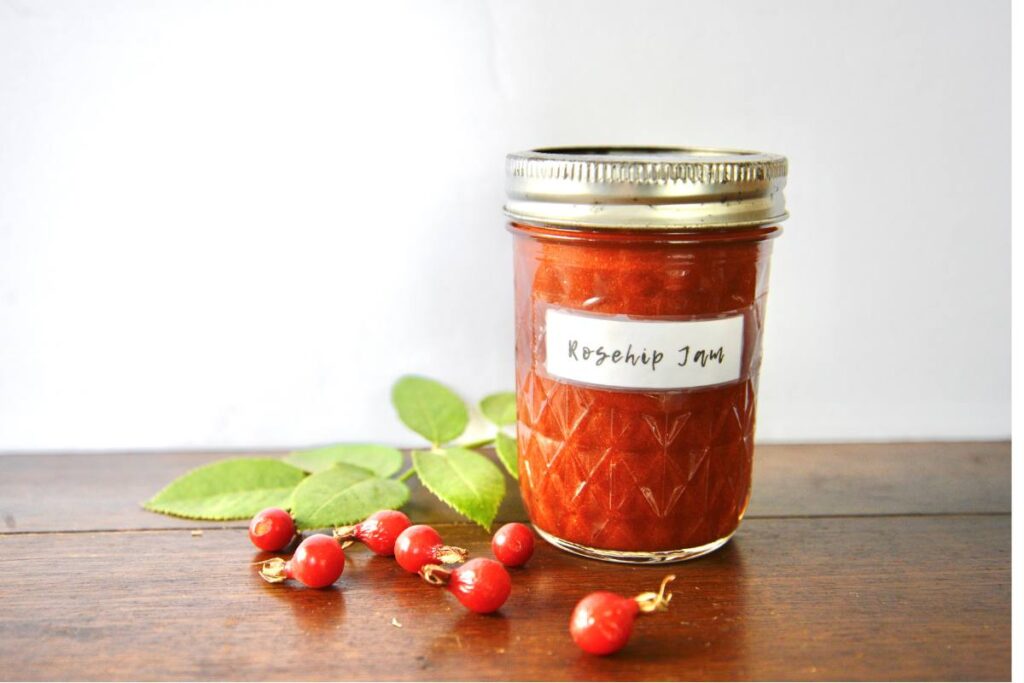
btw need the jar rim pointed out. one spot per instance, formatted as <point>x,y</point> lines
<point>646,187</point>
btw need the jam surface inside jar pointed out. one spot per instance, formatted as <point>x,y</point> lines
<point>637,474</point>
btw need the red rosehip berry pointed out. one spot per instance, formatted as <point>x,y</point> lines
<point>512,545</point>
<point>602,622</point>
<point>317,563</point>
<point>482,585</point>
<point>272,529</point>
<point>379,531</point>
<point>420,545</point>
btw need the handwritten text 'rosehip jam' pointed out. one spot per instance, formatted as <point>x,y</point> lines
<point>640,280</point>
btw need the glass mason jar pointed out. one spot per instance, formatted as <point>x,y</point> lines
<point>640,283</point>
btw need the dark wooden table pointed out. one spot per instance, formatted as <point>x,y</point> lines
<point>855,562</point>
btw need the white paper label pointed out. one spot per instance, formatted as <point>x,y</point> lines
<point>643,354</point>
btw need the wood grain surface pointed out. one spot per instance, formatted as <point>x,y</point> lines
<point>101,491</point>
<point>857,562</point>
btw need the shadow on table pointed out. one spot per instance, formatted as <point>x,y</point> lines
<point>314,610</point>
<point>704,627</point>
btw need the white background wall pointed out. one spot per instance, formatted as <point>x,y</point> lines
<point>235,223</point>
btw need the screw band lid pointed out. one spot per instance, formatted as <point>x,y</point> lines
<point>646,187</point>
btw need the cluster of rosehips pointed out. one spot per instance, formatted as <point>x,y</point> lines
<point>481,584</point>
<point>600,624</point>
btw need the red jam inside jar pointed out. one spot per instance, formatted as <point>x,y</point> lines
<point>638,343</point>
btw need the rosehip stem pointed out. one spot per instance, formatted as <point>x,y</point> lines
<point>435,574</point>
<point>656,602</point>
<point>274,570</point>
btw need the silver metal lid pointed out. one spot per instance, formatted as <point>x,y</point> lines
<point>646,187</point>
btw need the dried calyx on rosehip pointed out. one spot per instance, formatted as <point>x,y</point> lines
<point>482,585</point>
<point>317,563</point>
<point>378,532</point>
<point>602,622</point>
<point>272,529</point>
<point>421,545</point>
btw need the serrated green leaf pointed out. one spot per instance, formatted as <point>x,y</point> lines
<point>508,452</point>
<point>467,481</point>
<point>500,408</point>
<point>430,409</point>
<point>229,489</point>
<point>344,494</point>
<point>381,460</point>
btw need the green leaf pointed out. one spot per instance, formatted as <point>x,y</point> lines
<point>500,408</point>
<point>508,453</point>
<point>465,480</point>
<point>429,409</point>
<point>229,489</point>
<point>381,460</point>
<point>344,494</point>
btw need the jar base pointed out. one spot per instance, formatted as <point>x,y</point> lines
<point>634,556</point>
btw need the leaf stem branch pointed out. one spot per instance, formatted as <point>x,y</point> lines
<point>479,443</point>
